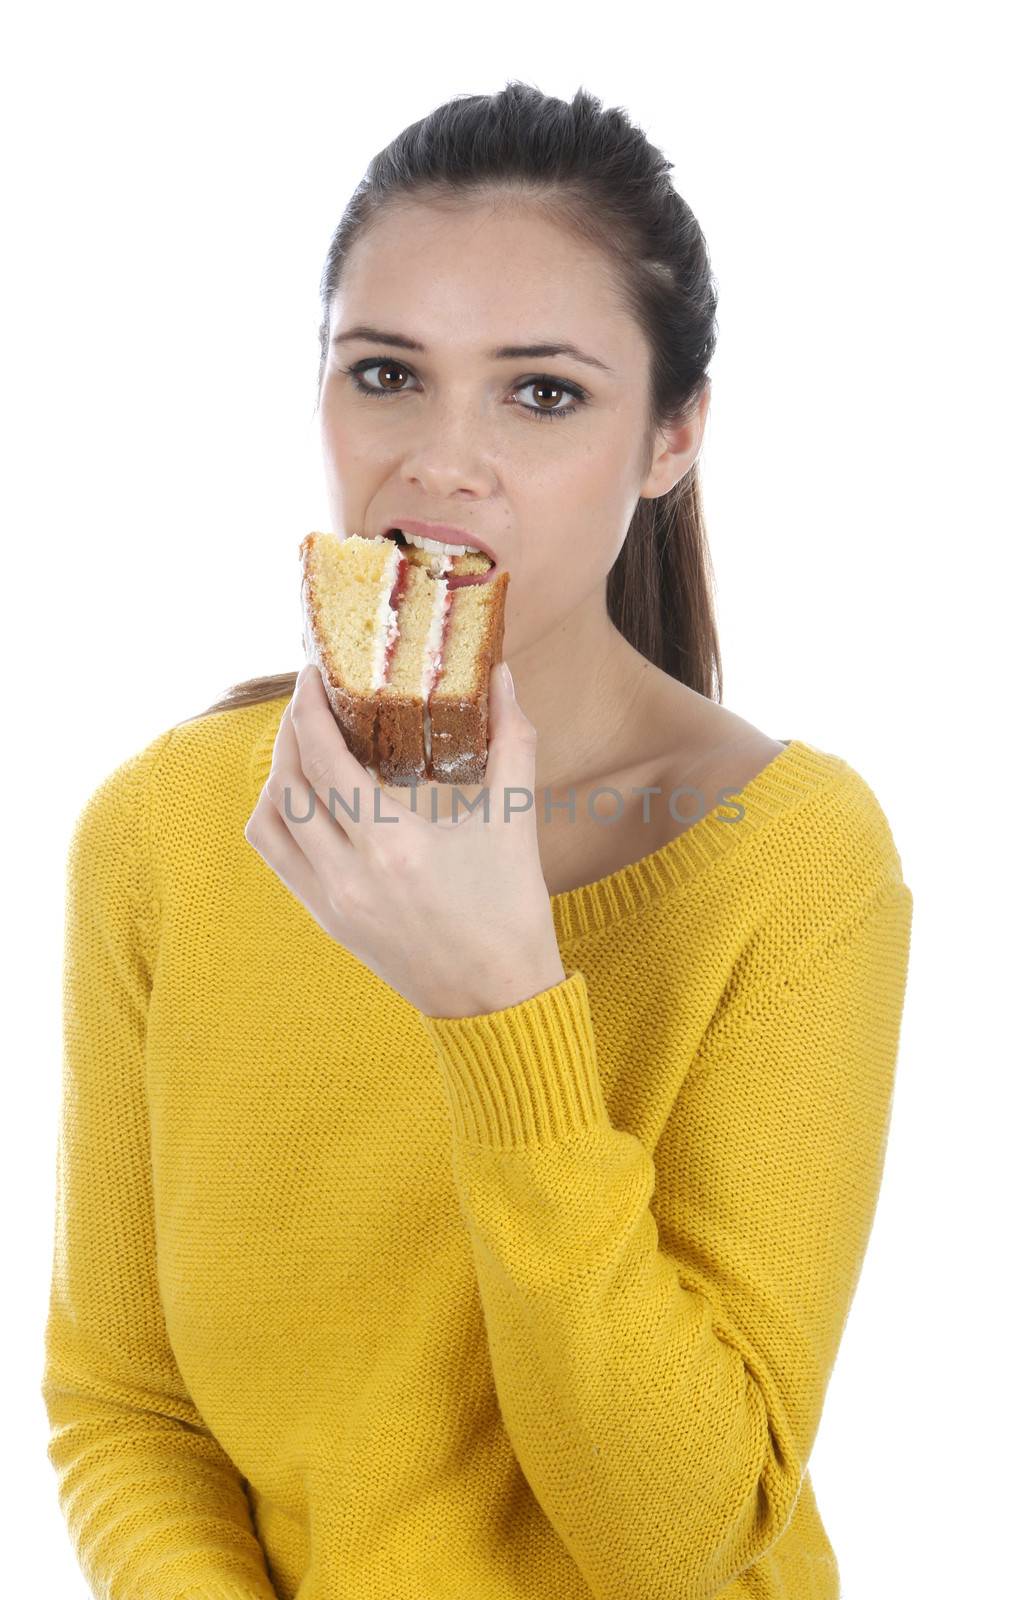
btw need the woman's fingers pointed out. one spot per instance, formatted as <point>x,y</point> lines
<point>355,802</point>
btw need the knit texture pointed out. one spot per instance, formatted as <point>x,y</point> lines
<point>353,1303</point>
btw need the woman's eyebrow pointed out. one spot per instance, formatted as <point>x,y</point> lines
<point>504,352</point>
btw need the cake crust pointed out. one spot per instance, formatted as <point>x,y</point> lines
<point>400,745</point>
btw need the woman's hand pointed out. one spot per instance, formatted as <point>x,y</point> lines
<point>453,915</point>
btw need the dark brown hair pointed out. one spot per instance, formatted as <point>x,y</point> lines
<point>591,171</point>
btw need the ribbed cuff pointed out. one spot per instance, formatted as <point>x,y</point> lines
<point>525,1075</point>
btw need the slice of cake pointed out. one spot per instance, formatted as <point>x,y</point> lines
<point>404,638</point>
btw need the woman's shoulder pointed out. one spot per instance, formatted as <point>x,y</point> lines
<point>724,752</point>
<point>182,784</point>
<point>814,824</point>
<point>227,743</point>
<point>702,749</point>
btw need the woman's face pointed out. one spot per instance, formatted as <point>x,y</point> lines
<point>500,446</point>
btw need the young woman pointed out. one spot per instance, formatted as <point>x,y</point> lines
<point>473,1207</point>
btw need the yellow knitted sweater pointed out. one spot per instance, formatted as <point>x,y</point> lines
<point>350,1303</point>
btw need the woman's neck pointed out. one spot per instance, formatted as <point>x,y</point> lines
<point>580,689</point>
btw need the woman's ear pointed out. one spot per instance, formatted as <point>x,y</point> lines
<point>676,448</point>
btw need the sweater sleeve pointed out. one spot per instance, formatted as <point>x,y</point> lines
<point>661,1368</point>
<point>154,1507</point>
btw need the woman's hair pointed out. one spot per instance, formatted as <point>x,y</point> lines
<point>592,172</point>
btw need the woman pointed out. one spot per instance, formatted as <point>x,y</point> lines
<point>473,1207</point>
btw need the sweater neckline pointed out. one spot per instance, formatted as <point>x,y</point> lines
<point>796,770</point>
<point>786,778</point>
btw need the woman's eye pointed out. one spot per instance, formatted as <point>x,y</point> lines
<point>560,387</point>
<point>365,388</point>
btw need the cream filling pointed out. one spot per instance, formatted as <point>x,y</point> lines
<point>386,623</point>
<point>432,654</point>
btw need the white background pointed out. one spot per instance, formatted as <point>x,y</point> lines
<point>172,179</point>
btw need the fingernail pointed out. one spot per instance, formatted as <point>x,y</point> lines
<point>509,682</point>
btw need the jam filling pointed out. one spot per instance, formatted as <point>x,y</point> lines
<point>399,586</point>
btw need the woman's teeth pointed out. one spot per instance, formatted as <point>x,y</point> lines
<point>435,547</point>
